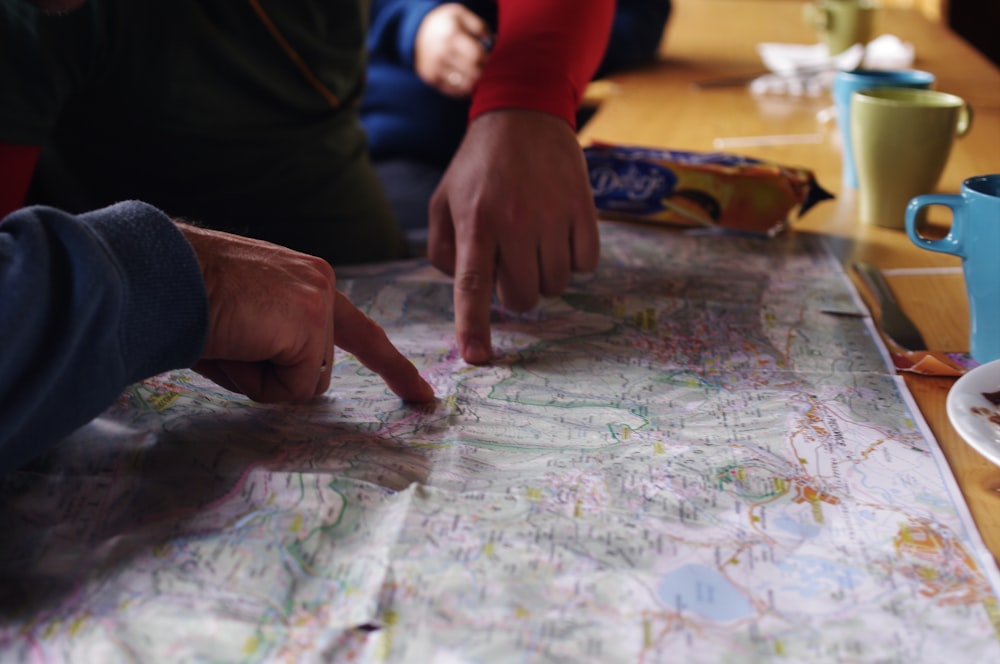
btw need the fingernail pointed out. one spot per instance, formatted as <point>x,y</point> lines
<point>475,352</point>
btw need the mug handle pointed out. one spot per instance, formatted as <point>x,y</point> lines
<point>949,244</point>
<point>816,17</point>
<point>964,120</point>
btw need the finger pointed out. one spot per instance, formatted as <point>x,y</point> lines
<point>291,374</point>
<point>241,377</point>
<point>475,267</point>
<point>210,369</point>
<point>556,261</point>
<point>586,242</point>
<point>471,23</point>
<point>326,365</point>
<point>271,383</point>
<point>468,54</point>
<point>359,335</point>
<point>288,375</point>
<point>456,84</point>
<point>248,378</point>
<point>441,233</point>
<point>517,281</point>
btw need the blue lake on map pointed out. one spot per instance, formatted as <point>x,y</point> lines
<point>704,591</point>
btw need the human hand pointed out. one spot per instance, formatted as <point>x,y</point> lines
<point>449,52</point>
<point>274,318</point>
<point>515,208</point>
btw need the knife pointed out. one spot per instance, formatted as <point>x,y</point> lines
<point>895,324</point>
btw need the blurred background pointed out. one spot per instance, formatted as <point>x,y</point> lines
<point>977,21</point>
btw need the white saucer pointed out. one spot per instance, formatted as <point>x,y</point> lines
<point>976,418</point>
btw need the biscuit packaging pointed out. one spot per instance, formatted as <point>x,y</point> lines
<point>709,189</point>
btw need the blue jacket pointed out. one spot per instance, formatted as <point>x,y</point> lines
<point>89,304</point>
<point>406,118</point>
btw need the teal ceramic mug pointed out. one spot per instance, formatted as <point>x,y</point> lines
<point>974,237</point>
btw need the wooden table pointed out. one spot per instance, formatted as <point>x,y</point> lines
<point>708,39</point>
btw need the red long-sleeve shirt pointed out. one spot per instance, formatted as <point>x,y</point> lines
<point>545,54</point>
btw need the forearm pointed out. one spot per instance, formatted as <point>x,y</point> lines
<point>545,54</point>
<point>88,305</point>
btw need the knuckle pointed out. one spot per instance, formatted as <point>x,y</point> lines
<point>314,305</point>
<point>438,202</point>
<point>323,270</point>
<point>472,282</point>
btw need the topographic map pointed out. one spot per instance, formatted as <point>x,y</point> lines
<point>696,455</point>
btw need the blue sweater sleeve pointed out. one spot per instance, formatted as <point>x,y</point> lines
<point>392,33</point>
<point>89,304</point>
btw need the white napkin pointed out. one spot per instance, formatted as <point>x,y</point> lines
<point>808,69</point>
<point>888,52</point>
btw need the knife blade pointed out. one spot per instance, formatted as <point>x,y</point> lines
<point>894,323</point>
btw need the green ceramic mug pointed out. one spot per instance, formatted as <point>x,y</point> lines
<point>841,23</point>
<point>901,138</point>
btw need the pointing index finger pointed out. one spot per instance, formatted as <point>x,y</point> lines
<point>366,340</point>
<point>474,275</point>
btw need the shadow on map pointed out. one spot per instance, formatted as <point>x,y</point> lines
<point>78,515</point>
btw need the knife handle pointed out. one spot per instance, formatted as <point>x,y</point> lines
<point>875,281</point>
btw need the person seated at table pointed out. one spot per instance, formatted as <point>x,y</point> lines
<point>425,60</point>
<point>91,303</point>
<point>243,116</point>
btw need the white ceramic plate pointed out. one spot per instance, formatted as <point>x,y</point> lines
<point>976,418</point>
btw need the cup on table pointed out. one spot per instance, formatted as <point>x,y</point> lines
<point>846,83</point>
<point>974,236</point>
<point>841,23</point>
<point>901,139</point>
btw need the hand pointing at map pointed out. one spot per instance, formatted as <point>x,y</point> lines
<point>527,250</point>
<point>274,318</point>
<point>91,303</point>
